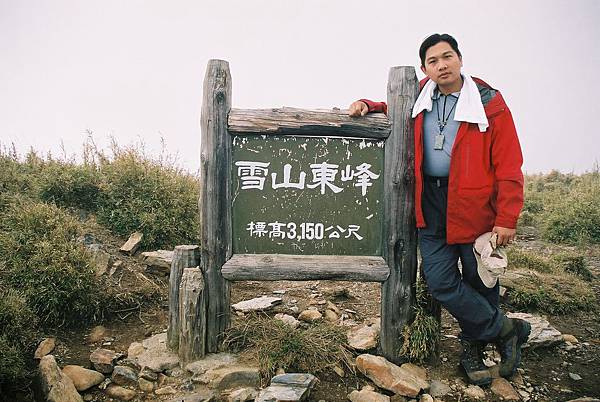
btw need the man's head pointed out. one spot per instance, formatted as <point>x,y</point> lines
<point>441,61</point>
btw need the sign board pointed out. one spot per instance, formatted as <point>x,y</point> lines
<point>307,195</point>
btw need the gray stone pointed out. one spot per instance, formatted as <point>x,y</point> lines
<point>168,390</point>
<point>281,393</point>
<point>426,398</point>
<point>124,376</point>
<point>231,377</point>
<point>503,388</point>
<point>364,337</point>
<point>295,380</point>
<point>310,315</point>
<point>145,385</point>
<point>210,362</point>
<point>438,388</point>
<point>148,374</point>
<point>575,377</point>
<point>202,396</point>
<point>287,319</point>
<point>83,378</point>
<point>103,360</point>
<point>257,304</point>
<point>45,347</point>
<point>242,395</point>
<point>331,316</point>
<point>474,392</point>
<point>156,355</point>
<point>56,386</point>
<point>407,380</point>
<point>542,333</point>
<point>158,262</point>
<point>118,392</point>
<point>366,395</point>
<point>101,260</point>
<point>132,244</point>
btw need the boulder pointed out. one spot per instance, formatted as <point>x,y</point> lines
<point>56,386</point>
<point>310,315</point>
<point>366,395</point>
<point>542,333</point>
<point>156,356</point>
<point>132,244</point>
<point>503,388</point>
<point>287,319</point>
<point>103,360</point>
<point>122,375</point>
<point>83,378</point>
<point>403,380</point>
<point>364,337</point>
<point>120,393</point>
<point>45,347</point>
<point>257,304</point>
<point>158,262</point>
<point>229,377</point>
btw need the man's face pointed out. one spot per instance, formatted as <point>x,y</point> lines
<point>442,64</point>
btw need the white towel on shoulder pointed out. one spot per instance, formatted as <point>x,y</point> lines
<point>468,108</point>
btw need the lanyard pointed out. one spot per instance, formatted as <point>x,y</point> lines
<point>442,123</point>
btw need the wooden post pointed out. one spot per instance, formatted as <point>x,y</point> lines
<point>192,316</point>
<point>215,198</point>
<point>183,257</point>
<point>400,237</point>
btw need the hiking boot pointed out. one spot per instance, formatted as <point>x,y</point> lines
<point>513,335</point>
<point>471,361</point>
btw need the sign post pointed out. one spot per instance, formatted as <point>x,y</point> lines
<point>293,194</point>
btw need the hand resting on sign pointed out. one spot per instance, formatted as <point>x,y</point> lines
<point>357,109</point>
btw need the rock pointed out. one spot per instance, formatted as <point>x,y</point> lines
<point>426,398</point>
<point>570,338</point>
<point>331,306</point>
<point>148,374</point>
<point>287,319</point>
<point>231,377</point>
<point>310,315</point>
<point>101,260</point>
<point>363,338</point>
<point>203,396</point>
<point>331,316</point>
<point>132,244</point>
<point>542,333</point>
<point>339,371</point>
<point>210,362</point>
<point>145,385</point>
<point>575,377</point>
<point>158,262</point>
<point>585,399</point>
<point>118,392</point>
<point>131,363</point>
<point>242,395</point>
<point>156,355</point>
<point>366,395</point>
<point>97,334</point>
<point>503,388</point>
<point>103,360</point>
<point>168,390</point>
<point>116,267</point>
<point>400,380</point>
<point>438,388</point>
<point>135,349</point>
<point>56,386</point>
<point>474,392</point>
<point>400,398</point>
<point>83,378</point>
<point>88,397</point>
<point>257,304</point>
<point>45,347</point>
<point>288,387</point>
<point>124,376</point>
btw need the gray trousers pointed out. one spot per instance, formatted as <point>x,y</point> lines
<point>474,305</point>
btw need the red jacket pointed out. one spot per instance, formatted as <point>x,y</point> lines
<point>485,184</point>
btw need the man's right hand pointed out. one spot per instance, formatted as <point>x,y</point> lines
<point>358,108</point>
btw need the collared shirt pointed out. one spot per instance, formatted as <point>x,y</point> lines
<point>436,162</point>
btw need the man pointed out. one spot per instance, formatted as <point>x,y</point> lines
<point>468,182</point>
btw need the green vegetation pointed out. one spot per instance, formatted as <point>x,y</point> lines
<point>564,206</point>
<point>421,337</point>
<point>274,344</point>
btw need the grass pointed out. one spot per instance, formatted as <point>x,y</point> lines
<point>275,345</point>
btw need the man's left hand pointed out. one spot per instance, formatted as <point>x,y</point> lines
<point>505,235</point>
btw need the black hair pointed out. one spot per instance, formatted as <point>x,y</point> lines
<point>433,40</point>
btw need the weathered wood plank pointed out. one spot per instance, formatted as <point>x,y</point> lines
<point>183,257</point>
<point>192,316</point>
<point>276,267</point>
<point>292,121</point>
<point>400,245</point>
<point>215,198</point>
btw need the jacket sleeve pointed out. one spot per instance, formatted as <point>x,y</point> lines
<point>375,107</point>
<point>507,160</point>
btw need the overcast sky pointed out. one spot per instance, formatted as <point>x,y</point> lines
<point>133,70</point>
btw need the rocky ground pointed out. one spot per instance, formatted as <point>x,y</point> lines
<point>126,358</point>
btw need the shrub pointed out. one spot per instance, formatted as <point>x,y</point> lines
<point>276,345</point>
<point>518,258</point>
<point>70,185</point>
<point>43,258</point>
